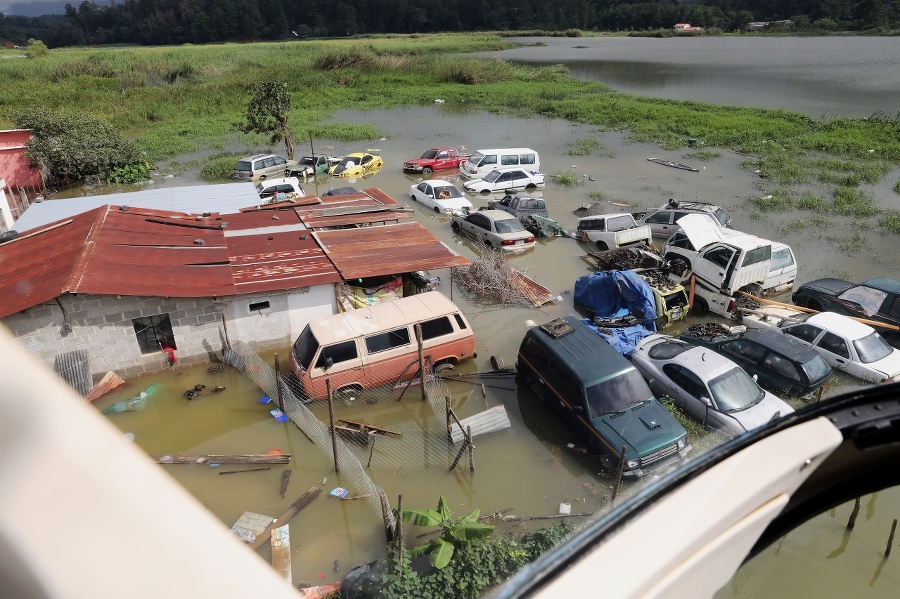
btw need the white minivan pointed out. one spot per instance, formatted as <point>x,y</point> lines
<point>482,162</point>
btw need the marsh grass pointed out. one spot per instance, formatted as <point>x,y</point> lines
<point>780,200</point>
<point>851,244</point>
<point>566,178</point>
<point>851,173</point>
<point>890,222</point>
<point>705,155</point>
<point>850,201</point>
<point>219,166</point>
<point>897,187</point>
<point>583,146</point>
<point>702,439</point>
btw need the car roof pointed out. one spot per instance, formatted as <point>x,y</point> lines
<point>843,324</point>
<point>884,284</point>
<point>703,361</point>
<point>279,181</point>
<point>256,157</point>
<point>439,183</point>
<point>699,206</point>
<point>781,343</point>
<point>584,352</point>
<point>496,215</point>
<point>609,215</point>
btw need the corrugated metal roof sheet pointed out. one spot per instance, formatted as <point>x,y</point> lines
<point>224,198</point>
<point>157,253</point>
<point>405,247</point>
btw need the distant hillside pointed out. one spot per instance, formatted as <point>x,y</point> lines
<point>172,22</point>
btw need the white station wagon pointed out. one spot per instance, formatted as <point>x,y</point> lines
<point>847,345</point>
<point>505,180</point>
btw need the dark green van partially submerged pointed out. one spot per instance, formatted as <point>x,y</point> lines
<point>602,395</point>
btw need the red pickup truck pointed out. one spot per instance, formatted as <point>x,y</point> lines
<point>436,159</point>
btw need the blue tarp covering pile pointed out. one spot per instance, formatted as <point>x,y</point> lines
<point>614,294</point>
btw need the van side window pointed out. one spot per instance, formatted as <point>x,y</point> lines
<point>389,340</point>
<point>488,159</point>
<point>509,160</point>
<point>339,352</point>
<point>460,322</point>
<point>526,159</point>
<point>436,327</point>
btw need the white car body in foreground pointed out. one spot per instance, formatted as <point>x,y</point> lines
<point>505,180</point>
<point>848,345</point>
<point>706,385</point>
<point>440,195</point>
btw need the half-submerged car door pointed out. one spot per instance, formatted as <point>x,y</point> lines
<point>836,352</point>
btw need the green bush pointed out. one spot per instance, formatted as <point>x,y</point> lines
<point>75,146</point>
<point>130,173</point>
<point>218,167</point>
<point>574,33</point>
<point>36,49</point>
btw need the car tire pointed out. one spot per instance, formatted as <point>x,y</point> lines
<point>531,186</point>
<point>444,366</point>
<point>8,235</point>
<point>436,209</point>
<point>602,246</point>
<point>427,171</point>
<point>455,226</point>
<point>700,306</point>
<point>485,192</point>
<point>262,177</point>
<point>412,197</point>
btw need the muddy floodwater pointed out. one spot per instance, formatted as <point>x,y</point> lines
<point>538,463</point>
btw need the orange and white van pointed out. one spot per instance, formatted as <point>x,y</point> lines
<point>376,345</point>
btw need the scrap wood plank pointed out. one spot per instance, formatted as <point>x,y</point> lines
<point>367,428</point>
<point>489,421</point>
<point>281,552</point>
<point>250,525</point>
<point>222,459</point>
<point>288,514</point>
<point>110,381</point>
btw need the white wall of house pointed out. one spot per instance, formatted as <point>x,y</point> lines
<point>276,319</point>
<point>104,326</point>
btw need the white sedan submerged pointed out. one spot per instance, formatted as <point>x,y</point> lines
<point>440,195</point>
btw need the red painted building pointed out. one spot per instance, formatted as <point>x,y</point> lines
<point>22,182</point>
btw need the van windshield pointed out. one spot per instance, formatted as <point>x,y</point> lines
<point>476,158</point>
<point>305,348</point>
<point>617,393</point>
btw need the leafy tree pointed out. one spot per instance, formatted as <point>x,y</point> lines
<point>73,146</point>
<point>268,112</point>
<point>454,533</point>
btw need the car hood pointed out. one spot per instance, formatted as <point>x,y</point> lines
<point>454,203</point>
<point>762,412</point>
<point>700,230</point>
<point>889,365</point>
<point>642,429</point>
<point>419,161</point>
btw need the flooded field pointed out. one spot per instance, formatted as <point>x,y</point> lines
<point>539,462</point>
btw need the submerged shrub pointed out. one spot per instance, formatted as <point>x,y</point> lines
<point>218,167</point>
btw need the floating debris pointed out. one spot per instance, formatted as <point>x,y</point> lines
<point>708,329</point>
<point>491,277</point>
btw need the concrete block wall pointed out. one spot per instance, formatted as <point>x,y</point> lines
<point>102,325</point>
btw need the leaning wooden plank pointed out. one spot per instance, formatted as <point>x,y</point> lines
<point>289,513</point>
<point>222,459</point>
<point>281,552</point>
<point>371,427</point>
<point>110,381</point>
<point>489,421</point>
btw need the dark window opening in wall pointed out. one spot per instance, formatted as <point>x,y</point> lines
<point>154,333</point>
<point>259,306</point>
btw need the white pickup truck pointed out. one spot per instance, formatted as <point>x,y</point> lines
<point>723,262</point>
<point>612,231</point>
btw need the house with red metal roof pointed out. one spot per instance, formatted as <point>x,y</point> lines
<point>19,182</point>
<point>130,288</point>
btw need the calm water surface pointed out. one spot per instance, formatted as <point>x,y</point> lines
<point>529,468</point>
<point>835,75</point>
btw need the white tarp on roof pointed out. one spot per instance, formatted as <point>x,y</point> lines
<point>224,198</point>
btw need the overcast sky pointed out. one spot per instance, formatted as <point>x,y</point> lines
<point>35,8</point>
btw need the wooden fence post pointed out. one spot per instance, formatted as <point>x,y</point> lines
<point>333,431</point>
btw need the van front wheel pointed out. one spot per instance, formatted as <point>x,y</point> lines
<point>348,393</point>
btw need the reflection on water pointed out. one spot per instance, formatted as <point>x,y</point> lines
<point>822,557</point>
<point>838,75</point>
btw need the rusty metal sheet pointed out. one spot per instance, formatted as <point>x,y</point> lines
<point>349,220</point>
<point>390,249</point>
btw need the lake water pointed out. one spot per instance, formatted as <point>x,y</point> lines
<point>834,75</point>
<point>530,468</point>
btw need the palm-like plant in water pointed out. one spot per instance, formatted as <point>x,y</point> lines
<point>454,533</point>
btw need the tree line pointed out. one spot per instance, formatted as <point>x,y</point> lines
<point>165,22</point>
